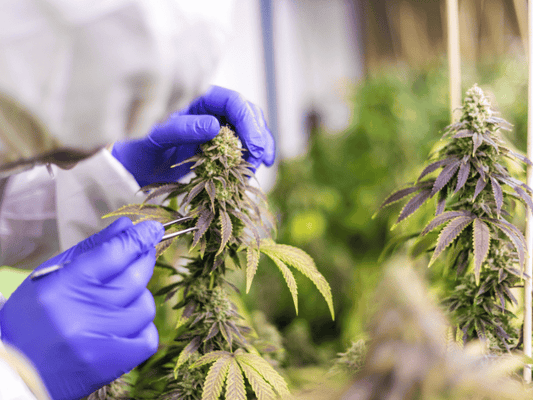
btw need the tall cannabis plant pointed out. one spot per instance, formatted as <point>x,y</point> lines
<point>213,347</point>
<point>472,213</point>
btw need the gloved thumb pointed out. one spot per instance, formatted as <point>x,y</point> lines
<point>105,234</point>
<point>184,129</point>
<point>111,257</point>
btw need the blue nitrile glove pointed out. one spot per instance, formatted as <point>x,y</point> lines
<point>178,138</point>
<point>91,321</point>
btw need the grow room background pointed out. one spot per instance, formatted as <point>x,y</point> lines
<point>356,93</point>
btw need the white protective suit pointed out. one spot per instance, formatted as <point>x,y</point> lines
<point>83,74</point>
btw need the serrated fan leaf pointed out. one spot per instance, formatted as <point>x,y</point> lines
<point>163,246</point>
<point>193,193</point>
<point>524,196</point>
<point>445,175</point>
<point>463,133</point>
<point>188,351</point>
<point>462,176</point>
<point>226,228</point>
<point>488,139</point>
<point>477,140</point>
<point>521,157</point>
<point>413,204</point>
<point>209,358</point>
<point>303,262</point>
<point>513,228</point>
<point>215,378</point>
<point>163,189</point>
<point>211,192</point>
<point>289,279</point>
<point>235,389</point>
<point>498,194</point>
<point>435,165</point>
<point>204,222</point>
<point>441,203</point>
<point>146,211</point>
<point>261,388</point>
<point>252,261</point>
<point>443,218</point>
<point>481,239</point>
<point>398,195</point>
<point>213,331</point>
<point>181,320</point>
<point>248,223</point>
<point>480,185</point>
<point>449,233</point>
<point>268,373</point>
<point>226,333</point>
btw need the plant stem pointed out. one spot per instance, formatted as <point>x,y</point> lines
<point>212,280</point>
<point>454,56</point>
<point>529,227</point>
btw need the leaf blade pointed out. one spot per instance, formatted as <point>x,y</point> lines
<point>268,373</point>
<point>216,376</point>
<point>261,388</point>
<point>413,205</point>
<point>462,176</point>
<point>442,219</point>
<point>188,351</point>
<point>480,185</point>
<point>445,176</point>
<point>289,279</point>
<point>235,389</point>
<point>252,261</point>
<point>303,262</point>
<point>204,222</point>
<point>434,166</point>
<point>449,233</point>
<point>498,194</point>
<point>209,358</point>
<point>481,239</point>
<point>226,229</point>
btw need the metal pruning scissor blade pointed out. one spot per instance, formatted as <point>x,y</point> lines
<point>174,234</point>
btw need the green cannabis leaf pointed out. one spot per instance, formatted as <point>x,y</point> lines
<point>283,254</point>
<point>229,367</point>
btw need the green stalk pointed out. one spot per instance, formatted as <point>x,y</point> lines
<point>454,56</point>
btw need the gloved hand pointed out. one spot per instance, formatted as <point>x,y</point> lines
<point>149,159</point>
<point>91,321</point>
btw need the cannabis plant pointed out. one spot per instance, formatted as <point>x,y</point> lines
<point>473,201</point>
<point>213,347</point>
<point>409,358</point>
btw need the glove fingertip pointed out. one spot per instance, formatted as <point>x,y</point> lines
<point>209,126</point>
<point>150,231</point>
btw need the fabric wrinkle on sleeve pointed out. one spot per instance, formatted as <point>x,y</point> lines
<point>87,192</point>
<point>28,233</point>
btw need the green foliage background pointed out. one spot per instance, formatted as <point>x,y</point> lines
<point>325,200</point>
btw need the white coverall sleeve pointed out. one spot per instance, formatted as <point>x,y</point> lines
<point>41,215</point>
